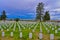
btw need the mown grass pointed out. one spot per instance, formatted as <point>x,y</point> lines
<point>26,31</point>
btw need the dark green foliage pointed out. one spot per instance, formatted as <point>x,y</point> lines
<point>3,16</point>
<point>39,11</point>
<point>0,17</point>
<point>46,16</point>
<point>17,19</point>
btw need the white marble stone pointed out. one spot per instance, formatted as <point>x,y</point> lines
<point>40,35</point>
<point>3,34</point>
<point>51,36</point>
<point>58,28</point>
<point>52,28</point>
<point>7,29</point>
<point>20,34</point>
<point>30,35</point>
<point>11,34</point>
<point>56,31</point>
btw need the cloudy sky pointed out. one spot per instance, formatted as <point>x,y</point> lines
<point>26,9</point>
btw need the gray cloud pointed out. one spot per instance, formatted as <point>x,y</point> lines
<point>30,5</point>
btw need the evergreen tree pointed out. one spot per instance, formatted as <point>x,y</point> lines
<point>39,11</point>
<point>3,16</point>
<point>46,16</point>
<point>17,19</point>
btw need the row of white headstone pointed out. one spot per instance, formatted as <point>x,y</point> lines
<point>41,35</point>
<point>14,27</point>
<point>53,28</point>
<point>1,28</point>
<point>48,31</point>
<point>32,25</point>
<point>5,26</point>
<point>19,27</point>
<point>8,26</point>
<point>29,26</point>
<point>11,26</point>
<point>30,35</point>
<point>22,26</point>
<point>34,28</point>
<point>40,28</point>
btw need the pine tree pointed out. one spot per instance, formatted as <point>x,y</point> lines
<point>46,16</point>
<point>39,11</point>
<point>3,16</point>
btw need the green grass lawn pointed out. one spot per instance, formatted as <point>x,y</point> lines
<point>26,31</point>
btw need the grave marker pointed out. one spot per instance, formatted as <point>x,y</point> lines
<point>56,31</point>
<point>3,34</point>
<point>30,35</point>
<point>11,34</point>
<point>51,36</point>
<point>20,34</point>
<point>40,36</point>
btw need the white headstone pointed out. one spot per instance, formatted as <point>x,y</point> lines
<point>20,34</point>
<point>30,35</point>
<point>52,28</point>
<point>58,28</point>
<point>51,36</point>
<point>7,29</point>
<point>56,31</point>
<point>3,34</point>
<point>11,34</point>
<point>40,35</point>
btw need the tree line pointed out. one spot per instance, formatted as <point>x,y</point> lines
<point>3,16</point>
<point>40,14</point>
